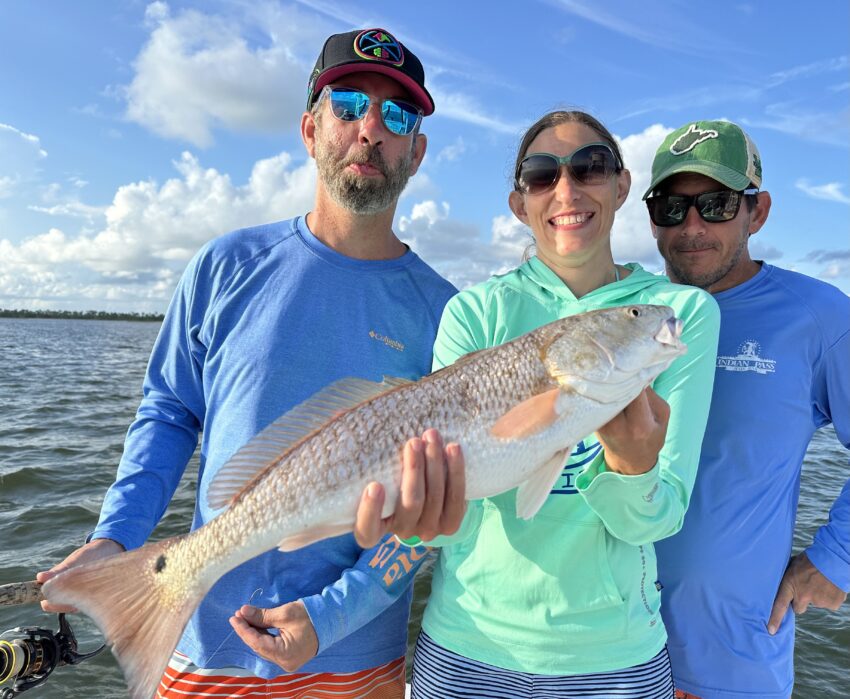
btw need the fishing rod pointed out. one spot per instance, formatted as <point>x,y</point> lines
<point>28,655</point>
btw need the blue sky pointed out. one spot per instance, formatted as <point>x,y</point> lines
<point>133,132</point>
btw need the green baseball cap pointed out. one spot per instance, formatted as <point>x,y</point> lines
<point>720,150</point>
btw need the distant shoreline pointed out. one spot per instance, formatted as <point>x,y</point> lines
<point>81,315</point>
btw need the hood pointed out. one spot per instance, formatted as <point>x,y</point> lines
<point>535,279</point>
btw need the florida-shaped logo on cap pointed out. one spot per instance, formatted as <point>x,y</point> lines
<point>379,45</point>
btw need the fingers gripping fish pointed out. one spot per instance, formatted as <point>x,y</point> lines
<point>517,410</point>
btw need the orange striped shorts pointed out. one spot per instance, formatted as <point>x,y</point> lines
<point>685,695</point>
<point>183,680</point>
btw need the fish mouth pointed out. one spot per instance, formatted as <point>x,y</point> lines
<point>670,333</point>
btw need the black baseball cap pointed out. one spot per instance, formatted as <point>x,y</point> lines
<point>369,50</point>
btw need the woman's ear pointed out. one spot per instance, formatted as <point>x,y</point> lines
<point>624,185</point>
<point>517,203</point>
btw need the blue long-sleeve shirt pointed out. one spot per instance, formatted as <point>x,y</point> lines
<point>262,319</point>
<point>783,371</point>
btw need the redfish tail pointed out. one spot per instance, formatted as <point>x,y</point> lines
<point>135,605</point>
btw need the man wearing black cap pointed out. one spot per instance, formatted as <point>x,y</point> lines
<point>262,319</point>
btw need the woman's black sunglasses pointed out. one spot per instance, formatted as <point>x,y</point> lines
<point>593,163</point>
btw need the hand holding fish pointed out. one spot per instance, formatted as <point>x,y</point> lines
<point>633,439</point>
<point>296,642</point>
<point>92,551</point>
<point>432,496</point>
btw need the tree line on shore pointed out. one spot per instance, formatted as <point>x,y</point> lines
<point>79,315</point>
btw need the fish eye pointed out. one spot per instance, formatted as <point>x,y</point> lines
<point>634,312</point>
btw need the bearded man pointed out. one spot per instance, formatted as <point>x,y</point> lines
<point>263,318</point>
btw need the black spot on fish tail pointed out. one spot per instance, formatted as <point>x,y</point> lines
<point>160,563</point>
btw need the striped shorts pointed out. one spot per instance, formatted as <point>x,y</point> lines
<point>440,674</point>
<point>183,680</point>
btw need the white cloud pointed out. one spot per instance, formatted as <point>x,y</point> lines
<point>28,138</point>
<point>835,263</point>
<point>832,128</point>
<point>73,208</point>
<point>671,29</point>
<point>198,72</point>
<point>835,270</point>
<point>420,186</point>
<point>760,250</point>
<point>21,157</point>
<point>831,191</point>
<point>830,65</point>
<point>453,151</point>
<point>7,185</point>
<point>631,238</point>
<point>150,232</point>
<point>456,249</point>
<point>461,107</point>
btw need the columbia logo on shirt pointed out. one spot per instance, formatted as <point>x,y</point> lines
<point>388,341</point>
<point>748,359</point>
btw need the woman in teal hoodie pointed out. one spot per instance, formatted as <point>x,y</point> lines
<point>567,604</point>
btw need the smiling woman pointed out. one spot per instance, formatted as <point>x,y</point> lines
<point>582,609</point>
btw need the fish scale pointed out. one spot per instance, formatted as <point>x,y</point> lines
<point>516,410</point>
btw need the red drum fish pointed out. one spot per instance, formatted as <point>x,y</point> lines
<point>517,410</point>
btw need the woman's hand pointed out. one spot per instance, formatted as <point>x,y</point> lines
<point>634,437</point>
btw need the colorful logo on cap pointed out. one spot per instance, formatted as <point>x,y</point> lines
<point>691,139</point>
<point>379,45</point>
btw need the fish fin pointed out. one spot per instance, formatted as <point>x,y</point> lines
<point>314,534</point>
<point>395,381</point>
<point>531,495</point>
<point>269,445</point>
<point>529,417</point>
<point>141,616</point>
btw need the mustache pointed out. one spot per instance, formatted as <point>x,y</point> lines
<point>686,246</point>
<point>370,155</point>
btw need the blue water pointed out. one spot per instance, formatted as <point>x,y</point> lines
<point>68,391</point>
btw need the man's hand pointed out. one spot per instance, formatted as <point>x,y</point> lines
<point>92,551</point>
<point>634,437</point>
<point>432,498</point>
<point>296,643</point>
<point>802,585</point>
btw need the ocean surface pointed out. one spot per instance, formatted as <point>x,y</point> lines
<point>68,391</point>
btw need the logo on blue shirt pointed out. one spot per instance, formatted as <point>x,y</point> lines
<point>748,359</point>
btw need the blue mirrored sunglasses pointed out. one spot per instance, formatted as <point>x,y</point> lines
<point>348,104</point>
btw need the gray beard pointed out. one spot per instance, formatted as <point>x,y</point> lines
<point>362,195</point>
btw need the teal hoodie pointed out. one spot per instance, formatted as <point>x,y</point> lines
<point>574,590</point>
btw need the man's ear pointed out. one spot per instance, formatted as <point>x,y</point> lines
<point>420,145</point>
<point>760,212</point>
<point>308,133</point>
<point>517,203</point>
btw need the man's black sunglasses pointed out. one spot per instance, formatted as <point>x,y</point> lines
<point>715,207</point>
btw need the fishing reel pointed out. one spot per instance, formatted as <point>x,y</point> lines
<point>29,654</point>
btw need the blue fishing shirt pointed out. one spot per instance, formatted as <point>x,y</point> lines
<point>262,319</point>
<point>783,371</point>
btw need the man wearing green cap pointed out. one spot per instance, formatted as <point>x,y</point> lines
<point>783,371</point>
